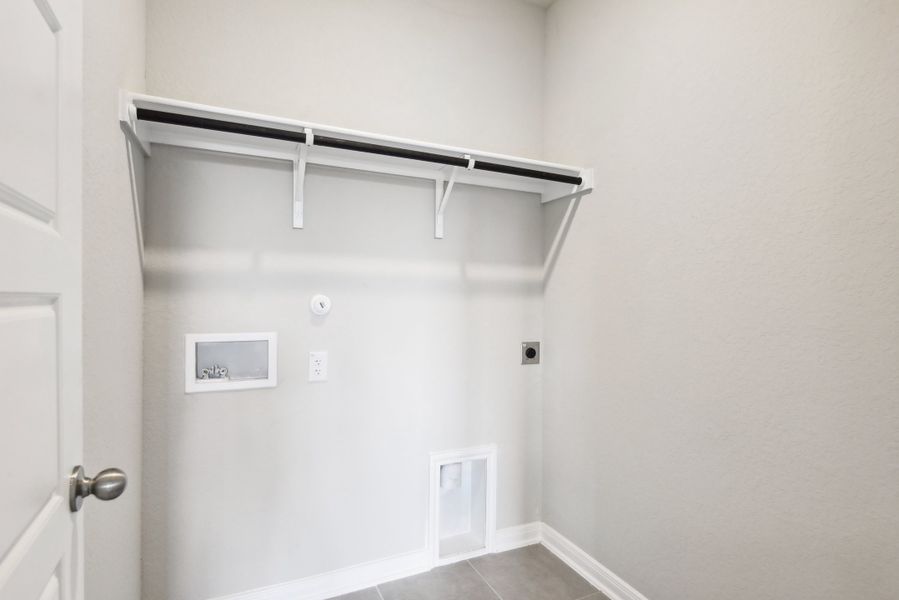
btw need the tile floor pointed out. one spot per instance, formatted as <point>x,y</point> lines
<point>530,573</point>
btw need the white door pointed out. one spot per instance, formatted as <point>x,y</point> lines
<point>40,298</point>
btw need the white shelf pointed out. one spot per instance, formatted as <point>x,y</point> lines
<point>144,133</point>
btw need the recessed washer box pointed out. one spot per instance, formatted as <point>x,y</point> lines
<point>216,362</point>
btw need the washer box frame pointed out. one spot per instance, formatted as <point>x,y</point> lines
<point>438,459</point>
<point>192,385</point>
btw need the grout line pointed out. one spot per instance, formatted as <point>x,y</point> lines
<point>484,579</point>
<point>378,589</point>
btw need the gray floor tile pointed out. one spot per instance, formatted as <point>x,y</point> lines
<point>532,573</point>
<point>453,582</point>
<point>369,594</point>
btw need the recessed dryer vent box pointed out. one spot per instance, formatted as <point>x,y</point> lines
<point>215,362</point>
<point>462,521</point>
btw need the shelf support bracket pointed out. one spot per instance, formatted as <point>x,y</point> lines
<point>299,178</point>
<point>137,150</point>
<point>577,191</point>
<point>442,197</point>
<point>128,122</point>
<point>574,201</point>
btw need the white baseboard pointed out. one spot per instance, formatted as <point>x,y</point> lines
<point>342,581</point>
<point>511,538</point>
<point>366,575</point>
<point>588,567</point>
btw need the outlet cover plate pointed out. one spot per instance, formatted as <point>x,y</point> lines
<point>318,366</point>
<point>530,353</point>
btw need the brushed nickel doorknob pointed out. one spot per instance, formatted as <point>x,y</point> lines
<point>108,484</point>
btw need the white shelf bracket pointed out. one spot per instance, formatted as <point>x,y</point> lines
<point>443,195</point>
<point>136,149</point>
<point>574,200</point>
<point>577,191</point>
<point>299,178</point>
<point>128,122</point>
<point>441,200</point>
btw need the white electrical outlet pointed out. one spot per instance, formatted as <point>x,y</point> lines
<point>318,366</point>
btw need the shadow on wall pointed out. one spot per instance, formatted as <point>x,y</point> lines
<point>374,250</point>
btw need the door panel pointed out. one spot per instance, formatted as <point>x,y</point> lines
<point>41,554</point>
<point>28,121</point>
<point>28,442</point>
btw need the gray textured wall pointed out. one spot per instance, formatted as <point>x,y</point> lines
<point>424,334</point>
<point>721,414</point>
<point>460,72</point>
<point>260,487</point>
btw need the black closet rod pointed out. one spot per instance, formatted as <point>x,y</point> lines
<point>159,116</point>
